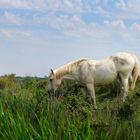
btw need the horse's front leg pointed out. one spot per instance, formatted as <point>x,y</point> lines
<point>91,90</point>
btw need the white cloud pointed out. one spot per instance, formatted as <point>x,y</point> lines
<point>101,11</point>
<point>70,26</point>
<point>129,5</point>
<point>44,5</point>
<point>74,6</point>
<point>22,4</point>
<point>121,4</point>
<point>130,9</point>
<point>14,33</point>
<point>125,34</point>
<point>115,24</point>
<point>135,26</point>
<point>62,22</point>
<point>10,18</point>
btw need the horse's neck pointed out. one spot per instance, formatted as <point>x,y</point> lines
<point>64,72</point>
<point>68,76</point>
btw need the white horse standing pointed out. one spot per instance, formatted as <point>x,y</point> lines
<point>92,72</point>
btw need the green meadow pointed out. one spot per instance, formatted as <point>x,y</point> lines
<point>29,112</point>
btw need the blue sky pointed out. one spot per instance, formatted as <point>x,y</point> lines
<point>37,35</point>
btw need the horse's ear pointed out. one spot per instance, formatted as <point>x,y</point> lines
<point>52,71</point>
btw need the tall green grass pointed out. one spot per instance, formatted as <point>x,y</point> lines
<point>28,112</point>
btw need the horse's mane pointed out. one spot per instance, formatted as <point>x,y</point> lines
<point>77,62</point>
<point>67,68</point>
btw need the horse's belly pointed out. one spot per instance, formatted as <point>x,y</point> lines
<point>104,77</point>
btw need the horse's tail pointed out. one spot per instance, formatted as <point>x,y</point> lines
<point>135,74</point>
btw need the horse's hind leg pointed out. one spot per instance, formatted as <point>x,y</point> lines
<point>130,81</point>
<point>135,75</point>
<point>125,86</point>
<point>91,90</point>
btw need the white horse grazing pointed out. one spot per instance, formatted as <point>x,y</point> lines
<point>92,72</point>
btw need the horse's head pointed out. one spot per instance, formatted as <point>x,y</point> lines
<point>53,82</point>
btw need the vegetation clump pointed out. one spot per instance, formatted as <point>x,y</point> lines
<point>28,111</point>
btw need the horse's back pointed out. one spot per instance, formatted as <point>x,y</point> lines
<point>123,55</point>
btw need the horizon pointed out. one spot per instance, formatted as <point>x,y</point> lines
<point>39,35</point>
